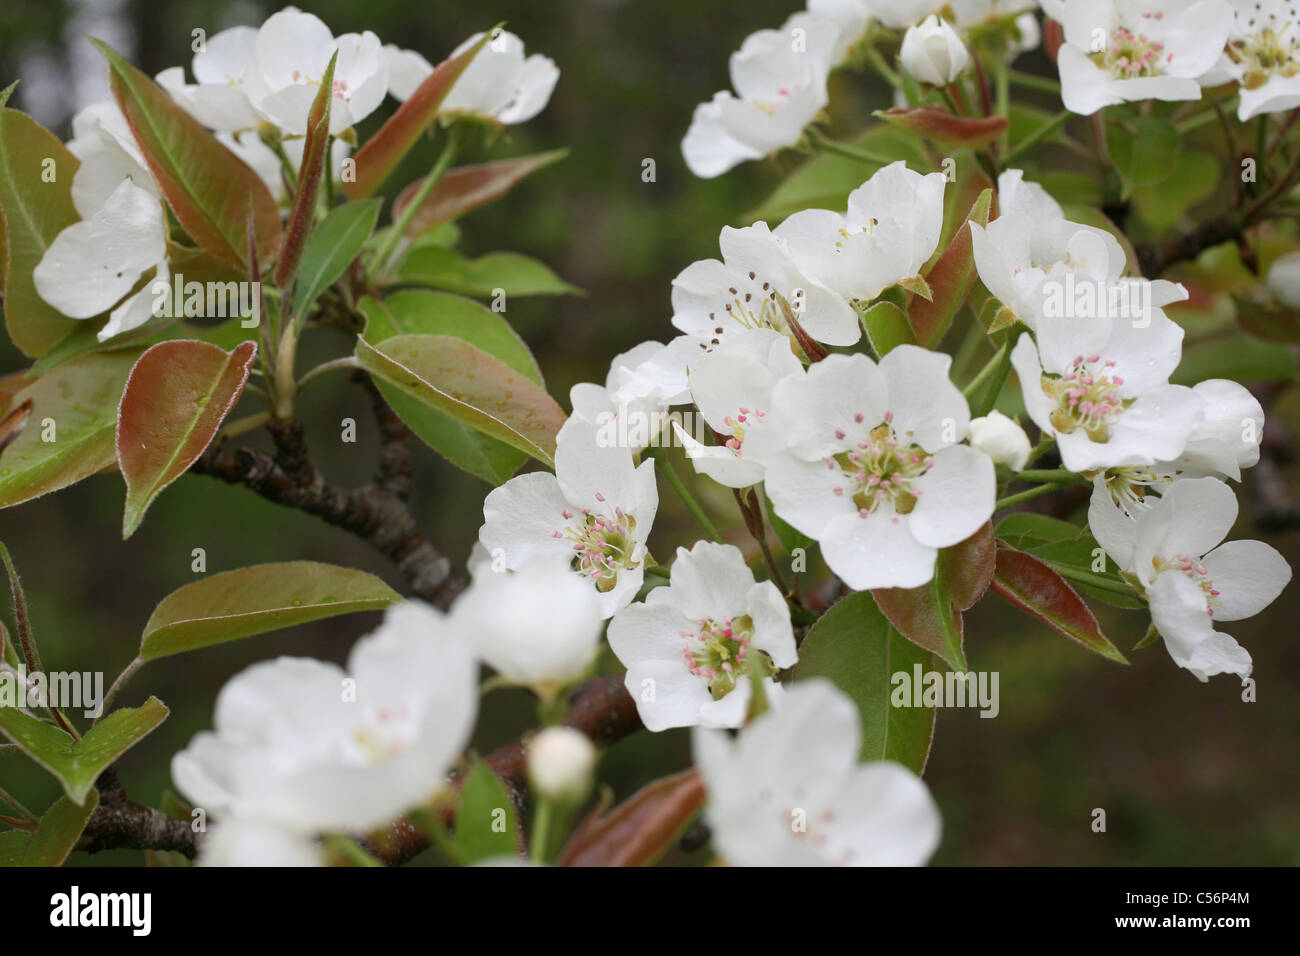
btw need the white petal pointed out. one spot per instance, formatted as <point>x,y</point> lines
<point>1249,576</point>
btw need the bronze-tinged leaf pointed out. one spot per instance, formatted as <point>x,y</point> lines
<point>303,207</point>
<point>466,188</point>
<point>380,155</point>
<point>454,377</point>
<point>1033,586</point>
<point>941,126</point>
<point>951,278</point>
<point>641,828</point>
<point>12,425</point>
<point>211,190</point>
<point>175,400</point>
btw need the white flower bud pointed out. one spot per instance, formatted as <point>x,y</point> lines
<point>1284,280</point>
<point>1001,439</point>
<point>560,764</point>
<point>933,53</point>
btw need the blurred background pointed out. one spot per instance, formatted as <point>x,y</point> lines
<point>1187,773</point>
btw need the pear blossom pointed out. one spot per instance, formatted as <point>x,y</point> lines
<point>889,231</point>
<point>1284,279</point>
<point>933,53</point>
<point>595,511</point>
<point>1118,51</point>
<point>499,613</point>
<point>1264,56</point>
<point>733,391</point>
<point>628,406</point>
<point>689,646</point>
<point>851,19</point>
<point>779,79</point>
<point>561,761</point>
<point>1001,439</point>
<point>789,791</point>
<point>305,746</point>
<point>226,73</point>
<point>109,154</point>
<point>1100,386</point>
<point>1023,255</point>
<point>245,843</point>
<point>1191,580</point>
<point>871,466</point>
<point>500,83</point>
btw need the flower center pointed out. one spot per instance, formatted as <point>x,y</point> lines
<point>739,424</point>
<point>1265,54</point>
<point>1087,397</point>
<point>719,651</point>
<point>1194,569</point>
<point>1128,486</point>
<point>1129,55</point>
<point>880,468</point>
<point>602,546</point>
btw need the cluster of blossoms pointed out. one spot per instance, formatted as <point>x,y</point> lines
<point>254,88</point>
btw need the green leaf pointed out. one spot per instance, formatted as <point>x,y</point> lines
<point>825,181</point>
<point>466,188</point>
<point>1031,585</point>
<point>80,397</point>
<point>384,150</point>
<point>178,395</point>
<point>77,763</point>
<point>61,827</point>
<point>332,247</point>
<point>951,279</point>
<point>264,597</point>
<point>483,800</point>
<point>887,326</point>
<point>1245,359</point>
<point>854,645</point>
<point>1194,178</point>
<point>1064,545</point>
<point>510,272</point>
<point>1145,156</point>
<point>13,846</point>
<point>422,312</point>
<point>32,213</point>
<point>453,377</point>
<point>211,191</point>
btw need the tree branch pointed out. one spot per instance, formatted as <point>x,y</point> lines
<point>117,823</point>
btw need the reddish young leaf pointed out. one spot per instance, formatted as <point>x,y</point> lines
<point>951,278</point>
<point>964,572</point>
<point>1053,37</point>
<point>465,188</point>
<point>175,400</point>
<point>383,151</point>
<point>641,828</point>
<point>208,187</point>
<point>1033,586</point>
<point>314,151</point>
<point>32,213</point>
<point>946,129</point>
<point>456,378</point>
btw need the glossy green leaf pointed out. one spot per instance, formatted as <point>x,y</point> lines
<point>211,191</point>
<point>77,763</point>
<point>1146,155</point>
<point>451,376</point>
<point>484,805</point>
<point>856,648</point>
<point>887,327</point>
<point>332,247</point>
<point>61,827</point>
<point>1244,359</point>
<point>32,212</point>
<point>265,597</point>
<point>178,395</point>
<point>487,276</point>
<point>1195,177</point>
<point>80,398</point>
<point>13,846</point>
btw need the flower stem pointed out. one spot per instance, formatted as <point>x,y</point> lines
<point>1093,580</point>
<point>541,830</point>
<point>346,362</point>
<point>827,145</point>
<point>127,673</point>
<point>1015,499</point>
<point>385,252</point>
<point>1055,475</point>
<point>684,493</point>
<point>1031,81</point>
<point>347,848</point>
<point>1032,140</point>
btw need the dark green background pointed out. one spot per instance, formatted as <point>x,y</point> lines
<point>1186,772</point>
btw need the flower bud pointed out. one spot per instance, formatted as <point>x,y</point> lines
<point>1284,280</point>
<point>1001,439</point>
<point>933,53</point>
<point>560,765</point>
